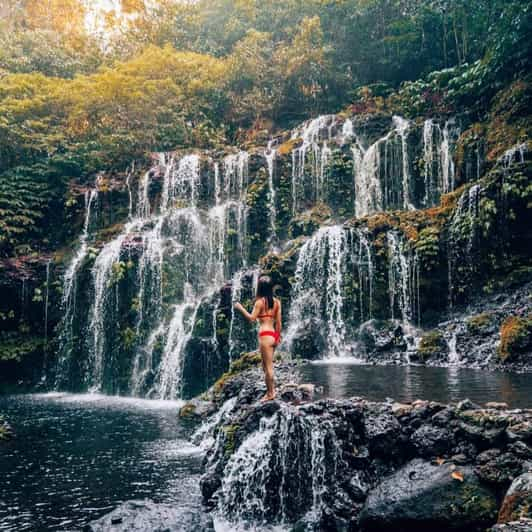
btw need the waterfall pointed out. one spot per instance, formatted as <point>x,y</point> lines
<point>515,155</point>
<point>282,471</point>
<point>270,155</point>
<point>377,170</point>
<point>157,283</point>
<point>463,234</point>
<point>403,279</point>
<point>318,290</point>
<point>454,356</point>
<point>68,301</point>
<point>439,168</point>
<point>46,301</point>
<point>366,167</point>
<point>348,131</point>
<point>362,259</point>
<point>106,264</point>
<point>402,128</point>
<point>310,183</point>
<point>72,270</point>
<point>181,252</point>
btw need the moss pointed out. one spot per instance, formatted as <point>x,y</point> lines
<point>229,443</point>
<point>479,323</point>
<point>516,336</point>
<point>129,337</point>
<point>187,411</point>
<point>5,430</point>
<point>308,222</point>
<point>287,147</point>
<point>430,345</point>
<point>245,362</point>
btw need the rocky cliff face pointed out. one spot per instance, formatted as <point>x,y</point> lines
<point>358,465</point>
<point>388,238</point>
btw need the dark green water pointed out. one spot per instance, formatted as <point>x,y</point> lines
<point>76,457</point>
<point>344,378</point>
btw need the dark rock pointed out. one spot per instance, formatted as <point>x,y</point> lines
<point>382,431</point>
<point>517,502</point>
<point>432,441</point>
<point>523,525</point>
<point>500,470</point>
<point>381,336</point>
<point>422,496</point>
<point>145,515</point>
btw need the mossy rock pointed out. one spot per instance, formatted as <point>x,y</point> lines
<point>229,443</point>
<point>6,432</point>
<point>479,323</point>
<point>245,362</point>
<point>188,411</point>
<point>516,337</point>
<point>431,345</point>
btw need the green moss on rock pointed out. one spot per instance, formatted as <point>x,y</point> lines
<point>479,323</point>
<point>431,344</point>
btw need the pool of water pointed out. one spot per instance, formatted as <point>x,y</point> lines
<point>76,457</point>
<point>344,378</point>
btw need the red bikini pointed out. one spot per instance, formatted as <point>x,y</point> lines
<point>276,335</point>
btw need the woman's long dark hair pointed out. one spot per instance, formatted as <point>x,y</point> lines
<point>265,289</point>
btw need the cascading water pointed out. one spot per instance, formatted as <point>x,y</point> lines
<point>403,279</point>
<point>463,234</point>
<point>310,161</point>
<point>270,155</point>
<point>317,294</point>
<point>439,168</point>
<point>187,234</point>
<point>280,472</point>
<point>362,259</point>
<point>68,302</point>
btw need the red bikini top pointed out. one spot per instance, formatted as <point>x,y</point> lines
<point>266,305</point>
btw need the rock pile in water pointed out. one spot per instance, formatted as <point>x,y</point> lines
<point>360,465</point>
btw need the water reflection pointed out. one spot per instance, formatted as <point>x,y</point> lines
<point>407,383</point>
<point>76,457</point>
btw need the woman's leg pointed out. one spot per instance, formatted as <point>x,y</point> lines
<point>267,350</point>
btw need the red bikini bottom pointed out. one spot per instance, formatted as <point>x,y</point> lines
<point>275,335</point>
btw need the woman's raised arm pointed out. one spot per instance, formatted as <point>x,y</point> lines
<point>254,314</point>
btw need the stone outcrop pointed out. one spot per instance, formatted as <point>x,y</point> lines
<point>360,465</point>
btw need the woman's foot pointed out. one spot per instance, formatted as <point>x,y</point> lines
<point>267,397</point>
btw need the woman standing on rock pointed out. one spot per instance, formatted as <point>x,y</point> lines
<point>267,311</point>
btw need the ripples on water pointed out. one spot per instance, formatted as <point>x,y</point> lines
<point>344,378</point>
<point>76,457</point>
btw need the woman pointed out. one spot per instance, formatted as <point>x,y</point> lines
<point>267,311</point>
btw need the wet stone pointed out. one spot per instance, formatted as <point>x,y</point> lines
<point>517,503</point>
<point>423,496</point>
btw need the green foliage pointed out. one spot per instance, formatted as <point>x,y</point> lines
<point>27,195</point>
<point>16,346</point>
<point>427,247</point>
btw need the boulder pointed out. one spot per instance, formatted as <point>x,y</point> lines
<point>523,525</point>
<point>144,515</point>
<point>422,496</point>
<point>382,431</point>
<point>432,441</point>
<point>517,503</point>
